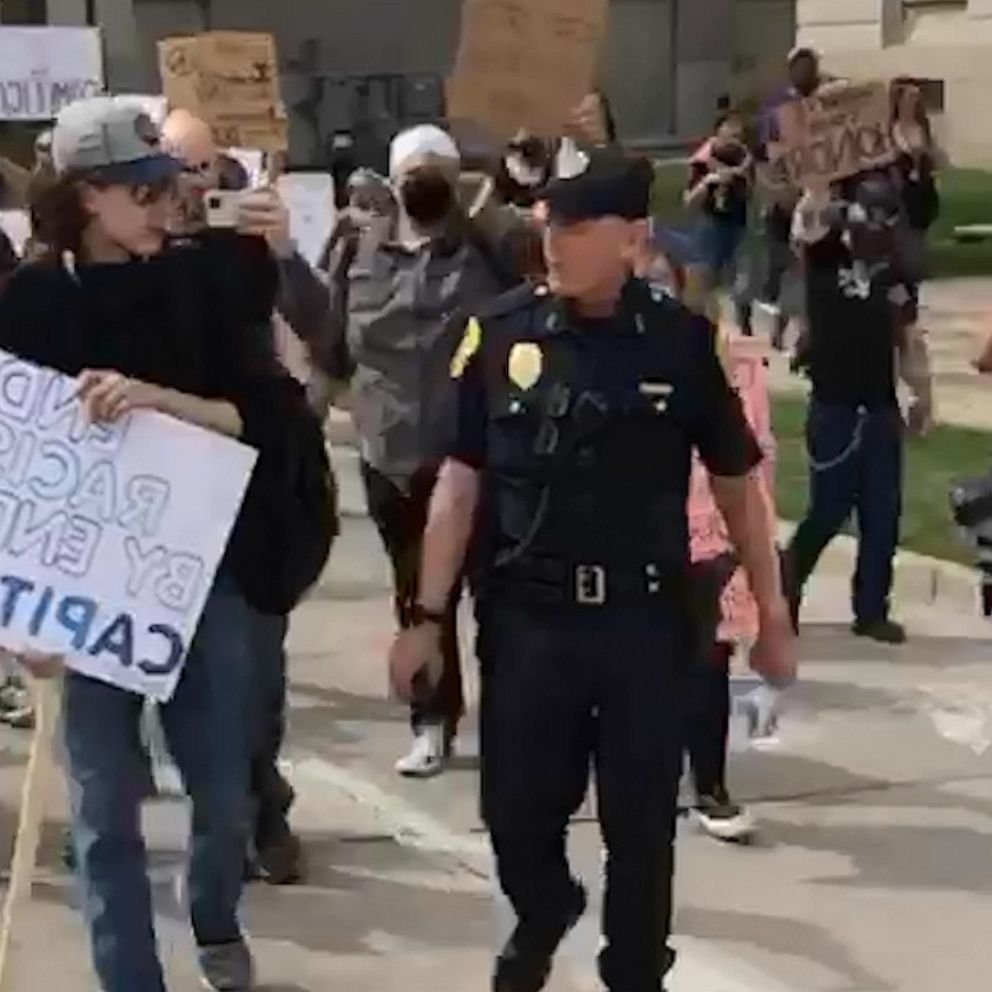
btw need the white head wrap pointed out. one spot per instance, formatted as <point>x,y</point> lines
<point>424,142</point>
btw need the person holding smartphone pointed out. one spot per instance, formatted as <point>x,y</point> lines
<point>143,324</point>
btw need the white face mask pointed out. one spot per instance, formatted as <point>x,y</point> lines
<point>522,173</point>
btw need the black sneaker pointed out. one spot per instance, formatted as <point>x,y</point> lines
<point>280,862</point>
<point>883,631</point>
<point>515,974</point>
<point>723,819</point>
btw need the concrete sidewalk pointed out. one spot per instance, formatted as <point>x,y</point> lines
<point>872,872</point>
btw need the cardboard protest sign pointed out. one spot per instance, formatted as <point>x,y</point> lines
<point>42,69</point>
<point>525,63</point>
<point>266,134</point>
<point>707,530</point>
<point>110,535</point>
<point>309,197</point>
<point>231,80</point>
<point>840,131</point>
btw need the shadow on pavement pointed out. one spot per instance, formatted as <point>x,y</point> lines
<point>781,936</point>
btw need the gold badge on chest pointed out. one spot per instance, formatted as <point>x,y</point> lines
<point>525,365</point>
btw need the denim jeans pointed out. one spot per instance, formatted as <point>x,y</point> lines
<point>856,459</point>
<point>208,727</point>
<point>269,789</point>
<point>722,245</point>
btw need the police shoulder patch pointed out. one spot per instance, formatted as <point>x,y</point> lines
<point>470,344</point>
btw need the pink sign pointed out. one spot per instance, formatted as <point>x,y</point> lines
<point>707,530</point>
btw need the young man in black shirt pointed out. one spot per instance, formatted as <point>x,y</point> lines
<point>861,328</point>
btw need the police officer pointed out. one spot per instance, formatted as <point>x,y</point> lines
<point>579,404</point>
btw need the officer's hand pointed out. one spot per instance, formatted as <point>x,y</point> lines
<point>774,654</point>
<point>415,657</point>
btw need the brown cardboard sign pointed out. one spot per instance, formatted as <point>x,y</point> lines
<point>231,80</point>
<point>842,130</point>
<point>525,63</point>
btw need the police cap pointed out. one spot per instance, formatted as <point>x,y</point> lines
<point>610,185</point>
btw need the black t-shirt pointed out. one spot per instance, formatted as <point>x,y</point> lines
<point>171,321</point>
<point>920,196</point>
<point>726,202</point>
<point>853,324</point>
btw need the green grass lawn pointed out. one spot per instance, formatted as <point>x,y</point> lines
<point>932,464</point>
<point>966,198</point>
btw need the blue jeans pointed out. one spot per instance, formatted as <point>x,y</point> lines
<point>855,466</point>
<point>721,244</point>
<point>208,725</point>
<point>269,789</point>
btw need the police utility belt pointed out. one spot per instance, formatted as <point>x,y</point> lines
<point>550,581</point>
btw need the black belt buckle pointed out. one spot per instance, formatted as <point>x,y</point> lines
<point>590,585</point>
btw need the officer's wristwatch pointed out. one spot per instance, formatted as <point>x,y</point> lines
<point>420,615</point>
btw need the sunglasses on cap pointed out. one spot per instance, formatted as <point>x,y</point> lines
<point>197,168</point>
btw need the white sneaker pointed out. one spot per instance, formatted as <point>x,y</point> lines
<point>723,819</point>
<point>428,756</point>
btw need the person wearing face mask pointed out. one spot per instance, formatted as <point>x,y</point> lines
<point>142,324</point>
<point>861,330</point>
<point>400,292</point>
<point>524,170</point>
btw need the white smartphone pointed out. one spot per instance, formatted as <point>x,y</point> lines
<point>223,207</point>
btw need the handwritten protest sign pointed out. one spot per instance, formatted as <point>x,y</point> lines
<point>43,69</point>
<point>309,197</point>
<point>525,63</point>
<point>231,80</point>
<point>110,536</point>
<point>842,130</point>
<point>707,530</point>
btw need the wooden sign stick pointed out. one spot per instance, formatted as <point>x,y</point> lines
<point>47,696</point>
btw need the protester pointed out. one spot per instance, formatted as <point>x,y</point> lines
<point>399,294</point>
<point>524,170</point>
<point>143,326</point>
<point>719,188</point>
<point>780,271</point>
<point>245,253</point>
<point>917,166</point>
<point>861,320</point>
<point>670,254</point>
<point>369,196</point>
<point>578,407</point>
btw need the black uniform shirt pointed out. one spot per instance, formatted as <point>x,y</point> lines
<point>604,413</point>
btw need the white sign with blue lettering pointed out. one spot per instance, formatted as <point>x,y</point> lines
<point>44,68</point>
<point>110,535</point>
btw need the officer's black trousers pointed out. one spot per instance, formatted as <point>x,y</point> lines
<point>563,689</point>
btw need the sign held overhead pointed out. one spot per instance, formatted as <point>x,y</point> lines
<point>231,80</point>
<point>525,63</point>
<point>840,131</point>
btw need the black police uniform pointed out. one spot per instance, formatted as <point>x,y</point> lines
<point>582,432</point>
